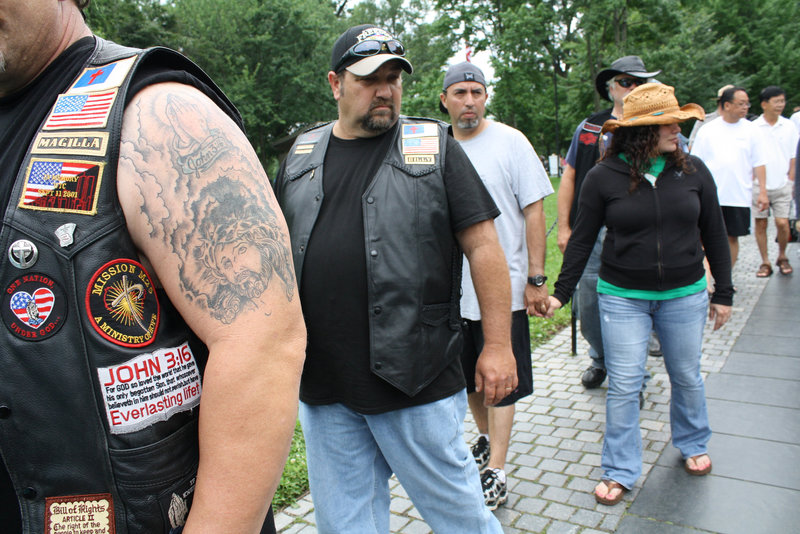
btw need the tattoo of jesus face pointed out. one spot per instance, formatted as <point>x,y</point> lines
<point>206,199</point>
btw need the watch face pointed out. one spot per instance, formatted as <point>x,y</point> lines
<point>537,280</point>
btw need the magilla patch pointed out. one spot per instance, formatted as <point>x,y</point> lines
<point>122,304</point>
<point>83,143</point>
<point>34,307</point>
<point>65,186</point>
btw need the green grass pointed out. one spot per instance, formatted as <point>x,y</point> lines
<point>294,482</point>
<point>544,329</point>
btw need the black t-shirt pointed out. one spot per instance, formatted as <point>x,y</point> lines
<point>334,281</point>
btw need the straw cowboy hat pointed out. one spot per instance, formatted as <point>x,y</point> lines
<point>653,103</point>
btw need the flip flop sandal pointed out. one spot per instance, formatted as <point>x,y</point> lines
<point>697,472</point>
<point>611,485</point>
<point>784,267</point>
<point>764,271</point>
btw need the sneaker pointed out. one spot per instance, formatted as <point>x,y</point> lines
<point>495,492</point>
<point>593,377</point>
<point>480,451</point>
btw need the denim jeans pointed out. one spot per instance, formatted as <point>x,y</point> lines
<point>626,325</point>
<point>351,457</point>
<point>586,304</point>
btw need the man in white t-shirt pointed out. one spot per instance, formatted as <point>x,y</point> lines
<point>734,150</point>
<point>781,139</point>
<point>518,183</point>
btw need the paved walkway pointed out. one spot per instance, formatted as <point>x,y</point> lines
<point>752,370</point>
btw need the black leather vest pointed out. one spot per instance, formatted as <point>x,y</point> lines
<point>413,259</point>
<point>588,153</point>
<point>100,375</point>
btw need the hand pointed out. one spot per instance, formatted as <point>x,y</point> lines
<point>564,232</point>
<point>553,305</point>
<point>495,373</point>
<point>720,314</point>
<point>536,300</point>
<point>762,201</point>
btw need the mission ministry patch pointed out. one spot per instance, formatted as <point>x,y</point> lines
<point>71,144</point>
<point>66,186</point>
<point>122,304</point>
<point>34,307</point>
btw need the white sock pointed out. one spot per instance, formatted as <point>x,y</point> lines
<point>501,474</point>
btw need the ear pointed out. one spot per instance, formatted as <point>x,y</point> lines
<point>443,98</point>
<point>335,83</point>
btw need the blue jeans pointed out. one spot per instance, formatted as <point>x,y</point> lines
<point>351,457</point>
<point>626,325</point>
<point>586,304</point>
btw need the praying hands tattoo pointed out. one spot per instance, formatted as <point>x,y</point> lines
<point>207,199</point>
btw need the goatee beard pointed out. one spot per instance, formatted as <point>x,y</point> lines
<point>379,123</point>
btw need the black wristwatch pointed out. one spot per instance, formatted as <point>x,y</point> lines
<point>537,280</point>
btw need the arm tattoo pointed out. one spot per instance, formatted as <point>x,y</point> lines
<point>205,199</point>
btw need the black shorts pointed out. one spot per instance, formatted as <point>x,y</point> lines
<point>737,220</point>
<point>520,345</point>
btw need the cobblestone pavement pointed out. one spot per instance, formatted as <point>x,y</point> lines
<point>554,457</point>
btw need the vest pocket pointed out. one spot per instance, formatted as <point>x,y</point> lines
<point>435,314</point>
<point>155,483</point>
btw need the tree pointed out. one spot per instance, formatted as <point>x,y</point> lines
<point>269,56</point>
<point>138,23</point>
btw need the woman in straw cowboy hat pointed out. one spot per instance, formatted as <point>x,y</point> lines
<point>661,210</point>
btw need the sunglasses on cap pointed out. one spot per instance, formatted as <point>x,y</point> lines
<point>371,48</point>
<point>629,82</point>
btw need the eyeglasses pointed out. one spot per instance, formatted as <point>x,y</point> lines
<point>371,48</point>
<point>629,82</point>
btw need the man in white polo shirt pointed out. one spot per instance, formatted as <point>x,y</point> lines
<point>781,136</point>
<point>733,150</point>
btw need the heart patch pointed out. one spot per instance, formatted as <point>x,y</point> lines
<point>34,309</point>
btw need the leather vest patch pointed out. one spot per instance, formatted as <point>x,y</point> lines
<point>34,307</point>
<point>76,514</point>
<point>122,303</point>
<point>62,186</point>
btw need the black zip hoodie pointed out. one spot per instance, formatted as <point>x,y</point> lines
<point>656,234</point>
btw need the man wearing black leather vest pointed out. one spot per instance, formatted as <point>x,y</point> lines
<point>151,335</point>
<point>612,84</point>
<point>379,207</point>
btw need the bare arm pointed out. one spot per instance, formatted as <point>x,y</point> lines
<point>536,241</point>
<point>200,209</point>
<point>566,193</point>
<point>760,173</point>
<point>496,370</point>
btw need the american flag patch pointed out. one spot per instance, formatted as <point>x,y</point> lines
<point>34,309</point>
<point>81,111</point>
<point>63,186</point>
<point>421,145</point>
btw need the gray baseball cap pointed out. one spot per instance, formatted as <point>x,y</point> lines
<point>461,72</point>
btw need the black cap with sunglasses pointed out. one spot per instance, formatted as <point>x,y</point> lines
<point>362,49</point>
<point>630,65</point>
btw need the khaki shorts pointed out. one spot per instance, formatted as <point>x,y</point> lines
<point>780,201</point>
